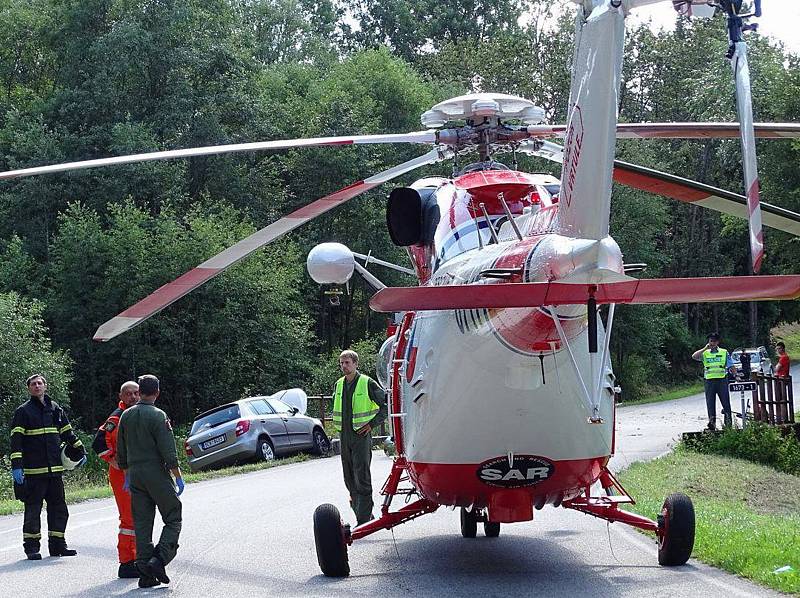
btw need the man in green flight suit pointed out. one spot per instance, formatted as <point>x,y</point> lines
<point>359,405</point>
<point>146,453</point>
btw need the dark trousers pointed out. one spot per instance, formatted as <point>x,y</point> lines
<point>49,489</point>
<point>356,459</point>
<point>717,387</point>
<point>151,488</point>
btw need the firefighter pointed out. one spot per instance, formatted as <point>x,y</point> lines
<point>105,445</point>
<point>38,429</point>
<point>359,405</point>
<point>146,453</point>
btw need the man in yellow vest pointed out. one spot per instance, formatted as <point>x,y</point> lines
<point>716,363</point>
<point>359,405</point>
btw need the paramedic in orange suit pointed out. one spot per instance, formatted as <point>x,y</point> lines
<point>105,445</point>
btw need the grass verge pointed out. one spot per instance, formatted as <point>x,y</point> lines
<point>790,335</point>
<point>78,489</point>
<point>748,515</point>
<point>661,394</point>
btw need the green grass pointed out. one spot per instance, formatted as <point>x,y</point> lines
<point>748,515</point>
<point>661,394</point>
<point>78,488</point>
<point>790,335</point>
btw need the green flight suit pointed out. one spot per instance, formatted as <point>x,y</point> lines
<point>357,450</point>
<point>146,450</point>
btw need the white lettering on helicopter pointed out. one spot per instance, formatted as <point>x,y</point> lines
<point>533,473</point>
<point>572,154</point>
<point>525,470</point>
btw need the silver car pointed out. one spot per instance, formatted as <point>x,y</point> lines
<point>258,428</point>
<point>759,360</point>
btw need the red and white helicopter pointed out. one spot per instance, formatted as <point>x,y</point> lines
<point>501,338</point>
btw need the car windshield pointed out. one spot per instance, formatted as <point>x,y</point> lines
<point>215,418</point>
<point>755,356</point>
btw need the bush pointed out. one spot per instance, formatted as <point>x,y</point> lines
<point>757,442</point>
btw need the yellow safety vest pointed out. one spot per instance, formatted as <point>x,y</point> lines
<point>714,364</point>
<point>364,408</point>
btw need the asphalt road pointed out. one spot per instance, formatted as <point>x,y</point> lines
<point>251,535</point>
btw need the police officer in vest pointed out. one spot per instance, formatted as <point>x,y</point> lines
<point>716,363</point>
<point>146,454</point>
<point>359,405</point>
<point>38,430</point>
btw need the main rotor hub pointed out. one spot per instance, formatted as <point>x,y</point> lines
<point>477,106</point>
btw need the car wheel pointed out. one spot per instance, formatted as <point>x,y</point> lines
<point>265,451</point>
<point>320,443</point>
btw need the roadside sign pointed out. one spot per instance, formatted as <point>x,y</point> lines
<point>741,386</point>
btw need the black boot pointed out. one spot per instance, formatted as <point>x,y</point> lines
<point>128,571</point>
<point>34,556</point>
<point>156,566</point>
<point>61,550</point>
<point>146,579</point>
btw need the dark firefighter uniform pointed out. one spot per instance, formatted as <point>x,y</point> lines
<point>355,404</point>
<point>146,449</point>
<point>105,445</point>
<point>37,431</point>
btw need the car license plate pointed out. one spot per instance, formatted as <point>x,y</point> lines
<point>212,442</point>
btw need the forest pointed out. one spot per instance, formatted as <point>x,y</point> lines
<point>83,79</point>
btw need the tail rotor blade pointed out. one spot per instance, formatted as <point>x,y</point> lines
<point>423,137</point>
<point>171,292</point>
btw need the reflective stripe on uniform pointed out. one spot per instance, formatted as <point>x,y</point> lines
<point>16,455</point>
<point>65,428</point>
<point>38,431</point>
<point>77,444</point>
<point>56,534</point>
<point>31,536</point>
<point>38,470</point>
<point>126,532</point>
<point>17,430</point>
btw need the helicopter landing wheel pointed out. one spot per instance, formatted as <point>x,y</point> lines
<point>330,541</point>
<point>469,523</point>
<point>491,529</point>
<point>676,524</point>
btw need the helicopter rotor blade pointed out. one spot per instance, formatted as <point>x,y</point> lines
<point>702,195</point>
<point>423,137</point>
<point>675,187</point>
<point>707,130</point>
<point>172,291</point>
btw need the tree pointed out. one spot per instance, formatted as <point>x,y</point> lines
<point>25,349</point>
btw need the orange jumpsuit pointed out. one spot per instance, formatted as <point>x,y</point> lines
<point>105,445</point>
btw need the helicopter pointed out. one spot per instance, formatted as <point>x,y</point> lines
<point>503,336</point>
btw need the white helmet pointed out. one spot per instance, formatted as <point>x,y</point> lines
<point>68,463</point>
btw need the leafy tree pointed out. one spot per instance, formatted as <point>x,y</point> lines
<point>25,348</point>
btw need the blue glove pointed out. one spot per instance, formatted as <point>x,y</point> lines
<point>180,485</point>
<point>82,462</point>
<point>126,485</point>
<point>18,476</point>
